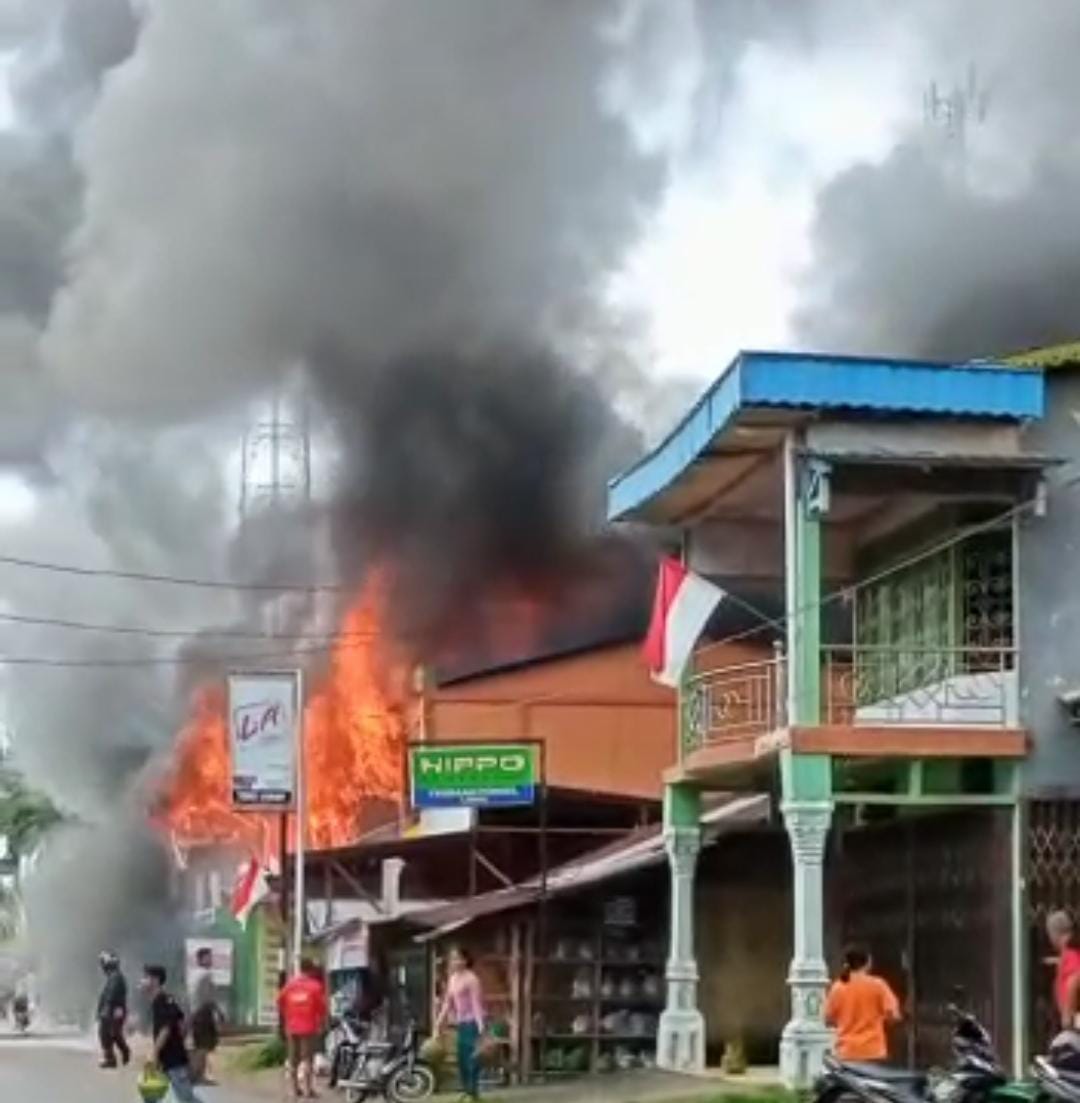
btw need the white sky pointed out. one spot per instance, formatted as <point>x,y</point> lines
<point>717,271</point>
<point>18,502</point>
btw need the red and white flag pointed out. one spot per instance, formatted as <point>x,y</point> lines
<point>683,604</point>
<point>250,890</point>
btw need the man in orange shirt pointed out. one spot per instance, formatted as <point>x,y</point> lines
<point>860,1006</point>
<point>303,1006</point>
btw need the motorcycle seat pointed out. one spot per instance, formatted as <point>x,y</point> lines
<point>888,1073</point>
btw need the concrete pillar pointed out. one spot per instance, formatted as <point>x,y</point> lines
<point>806,780</point>
<point>806,1039</point>
<point>681,1042</point>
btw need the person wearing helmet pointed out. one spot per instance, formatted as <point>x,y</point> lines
<point>112,1012</point>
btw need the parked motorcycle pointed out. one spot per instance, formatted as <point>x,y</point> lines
<point>363,1067</point>
<point>975,1076</point>
<point>1057,1075</point>
<point>847,1081</point>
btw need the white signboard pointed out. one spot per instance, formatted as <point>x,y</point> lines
<point>263,715</point>
<point>221,954</point>
<point>349,951</point>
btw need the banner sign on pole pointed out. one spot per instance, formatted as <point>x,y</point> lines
<point>221,957</point>
<point>475,775</point>
<point>263,715</point>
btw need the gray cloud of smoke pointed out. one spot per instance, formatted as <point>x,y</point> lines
<point>358,188</point>
<point>200,199</point>
<point>268,179</point>
<point>955,252</point>
<point>260,184</point>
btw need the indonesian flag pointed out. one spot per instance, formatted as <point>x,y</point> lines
<point>683,604</point>
<point>250,890</point>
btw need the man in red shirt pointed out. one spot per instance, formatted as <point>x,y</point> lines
<point>303,1006</point>
<point>1059,929</point>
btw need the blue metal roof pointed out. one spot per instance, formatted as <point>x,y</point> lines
<point>781,380</point>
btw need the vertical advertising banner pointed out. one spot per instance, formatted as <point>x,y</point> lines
<point>263,717</point>
<point>221,953</point>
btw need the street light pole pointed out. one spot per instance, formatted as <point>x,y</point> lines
<point>299,903</point>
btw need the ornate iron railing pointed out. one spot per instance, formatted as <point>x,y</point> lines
<point>920,685</point>
<point>959,686</point>
<point>734,702</point>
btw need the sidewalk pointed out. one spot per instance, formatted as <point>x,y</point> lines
<point>637,1087</point>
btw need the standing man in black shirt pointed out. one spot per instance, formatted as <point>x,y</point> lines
<point>169,1052</point>
<point>112,1012</point>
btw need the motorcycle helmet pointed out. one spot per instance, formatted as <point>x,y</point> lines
<point>108,960</point>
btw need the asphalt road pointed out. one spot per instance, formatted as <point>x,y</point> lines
<point>57,1071</point>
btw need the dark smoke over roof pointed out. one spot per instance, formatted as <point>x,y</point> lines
<point>415,205</point>
<point>965,240</point>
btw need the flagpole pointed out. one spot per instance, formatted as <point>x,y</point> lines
<point>301,829</point>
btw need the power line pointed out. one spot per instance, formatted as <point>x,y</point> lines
<point>838,594</point>
<point>341,640</point>
<point>169,579</point>
<point>176,633</point>
<point>956,538</point>
<point>162,660</point>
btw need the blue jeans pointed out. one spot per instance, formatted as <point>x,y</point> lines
<point>468,1035</point>
<point>180,1082</point>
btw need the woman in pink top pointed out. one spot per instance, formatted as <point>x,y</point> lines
<point>464,1002</point>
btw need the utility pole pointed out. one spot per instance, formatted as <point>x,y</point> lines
<point>275,478</point>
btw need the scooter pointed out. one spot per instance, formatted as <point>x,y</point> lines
<point>977,1074</point>
<point>348,1033</point>
<point>869,1082</point>
<point>1057,1075</point>
<point>363,1067</point>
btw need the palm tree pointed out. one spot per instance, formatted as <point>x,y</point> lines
<point>10,914</point>
<point>26,816</point>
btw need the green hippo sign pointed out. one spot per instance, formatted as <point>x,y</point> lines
<point>474,775</point>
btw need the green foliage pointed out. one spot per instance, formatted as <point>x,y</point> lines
<point>268,1054</point>
<point>26,816</point>
<point>9,915</point>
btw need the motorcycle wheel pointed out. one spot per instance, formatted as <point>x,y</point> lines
<point>408,1085</point>
<point>355,1095</point>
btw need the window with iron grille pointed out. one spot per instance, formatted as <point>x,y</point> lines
<point>946,613</point>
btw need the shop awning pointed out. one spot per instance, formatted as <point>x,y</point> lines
<point>748,409</point>
<point>636,851</point>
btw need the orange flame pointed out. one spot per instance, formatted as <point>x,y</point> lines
<point>354,733</point>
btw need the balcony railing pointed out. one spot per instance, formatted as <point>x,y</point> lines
<point>955,686</point>
<point>915,686</point>
<point>734,702</point>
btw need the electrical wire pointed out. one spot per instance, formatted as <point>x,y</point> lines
<point>841,593</point>
<point>175,633</point>
<point>163,660</point>
<point>169,579</point>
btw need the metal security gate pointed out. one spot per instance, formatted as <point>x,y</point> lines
<point>929,895</point>
<point>1053,882</point>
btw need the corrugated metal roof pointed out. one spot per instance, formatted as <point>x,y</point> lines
<point>794,381</point>
<point>637,851</point>
<point>1055,356</point>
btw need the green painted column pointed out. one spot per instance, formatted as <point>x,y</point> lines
<point>806,780</point>
<point>681,1041</point>
<point>806,649</point>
